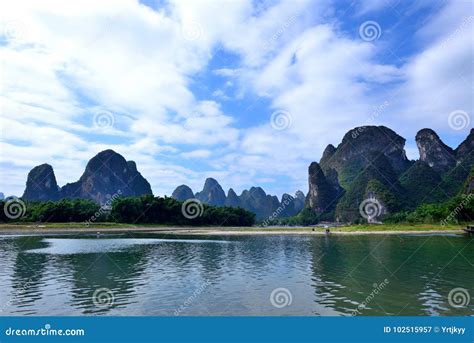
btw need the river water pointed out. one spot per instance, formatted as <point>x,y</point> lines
<point>152,274</point>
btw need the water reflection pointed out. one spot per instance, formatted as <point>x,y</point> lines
<point>158,275</point>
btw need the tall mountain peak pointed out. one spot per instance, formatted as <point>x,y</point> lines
<point>41,184</point>
<point>358,145</point>
<point>320,193</point>
<point>328,153</point>
<point>434,152</point>
<point>106,174</point>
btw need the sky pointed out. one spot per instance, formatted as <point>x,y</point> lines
<point>247,92</point>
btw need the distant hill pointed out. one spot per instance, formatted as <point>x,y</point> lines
<point>109,175</point>
<point>254,199</point>
<point>369,164</point>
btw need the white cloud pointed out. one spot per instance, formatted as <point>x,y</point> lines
<point>330,83</point>
<point>66,60</point>
<point>227,72</point>
<point>118,56</point>
<point>200,153</point>
<point>440,78</point>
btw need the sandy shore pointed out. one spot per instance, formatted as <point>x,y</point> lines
<point>306,232</point>
<point>228,231</point>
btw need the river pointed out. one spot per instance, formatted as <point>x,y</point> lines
<point>153,275</point>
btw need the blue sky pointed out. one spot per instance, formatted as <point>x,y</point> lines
<point>247,92</point>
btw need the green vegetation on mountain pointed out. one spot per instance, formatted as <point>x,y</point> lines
<point>371,183</point>
<point>454,179</point>
<point>459,209</point>
<point>421,185</point>
<point>368,166</point>
<point>371,166</point>
<point>357,149</point>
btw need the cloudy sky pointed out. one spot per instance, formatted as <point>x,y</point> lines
<point>248,92</point>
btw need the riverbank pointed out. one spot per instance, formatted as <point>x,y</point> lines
<point>80,228</point>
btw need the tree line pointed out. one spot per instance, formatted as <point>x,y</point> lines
<point>459,209</point>
<point>146,209</point>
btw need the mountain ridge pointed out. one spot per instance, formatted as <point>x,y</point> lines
<point>370,162</point>
<point>105,175</point>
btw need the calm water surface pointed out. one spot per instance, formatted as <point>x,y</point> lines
<point>308,275</point>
